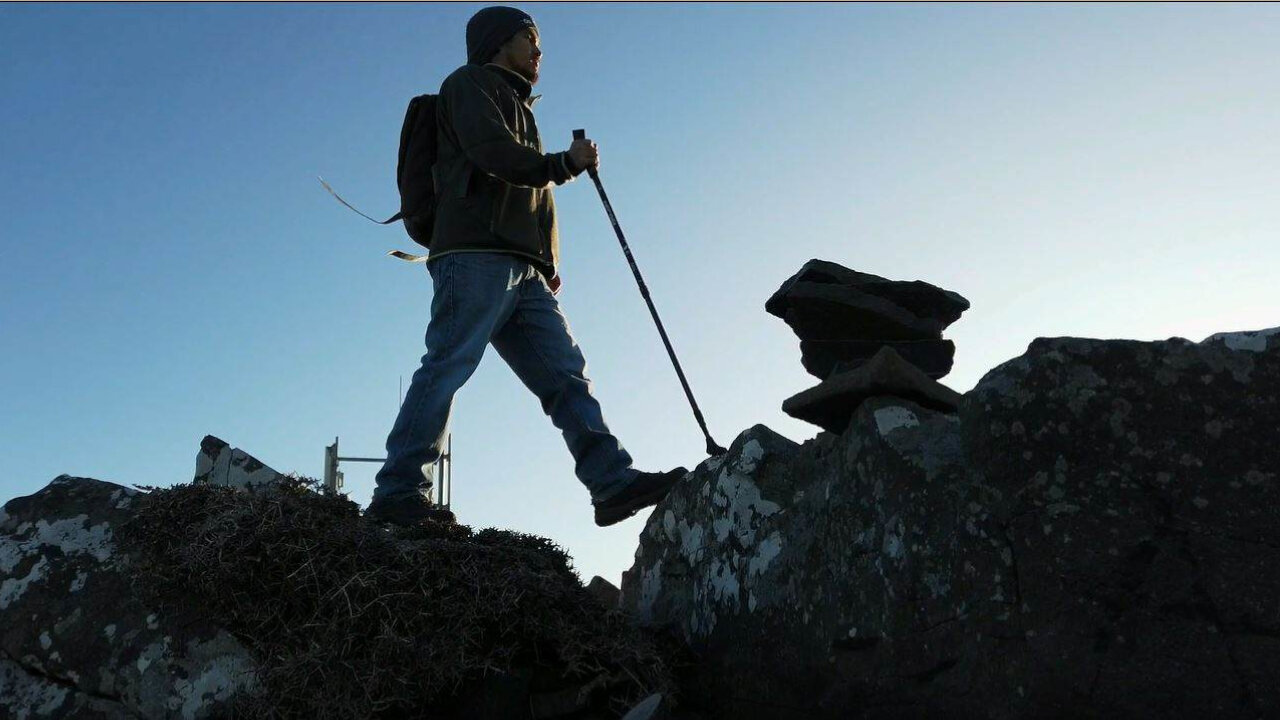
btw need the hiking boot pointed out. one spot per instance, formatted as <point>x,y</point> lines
<point>647,489</point>
<point>403,510</point>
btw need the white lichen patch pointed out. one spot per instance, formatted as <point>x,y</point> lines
<point>212,672</point>
<point>892,544</point>
<point>937,584</point>
<point>723,582</point>
<point>14,588</point>
<point>69,535</point>
<point>68,622</point>
<point>650,588</point>
<point>749,459</point>
<point>1080,386</point>
<point>1252,341</point>
<point>11,553</point>
<point>743,507</point>
<point>1213,429</point>
<point>216,682</point>
<point>78,583</point>
<point>1254,477</point>
<point>149,655</point>
<point>690,540</point>
<point>765,553</point>
<point>121,499</point>
<point>894,417</point>
<point>110,631</point>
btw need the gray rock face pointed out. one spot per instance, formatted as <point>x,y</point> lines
<point>832,403</point>
<point>76,641</point>
<point>220,464</point>
<point>1096,534</point>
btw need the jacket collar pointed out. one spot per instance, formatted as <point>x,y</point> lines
<point>517,82</point>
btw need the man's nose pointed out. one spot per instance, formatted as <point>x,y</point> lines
<point>537,51</point>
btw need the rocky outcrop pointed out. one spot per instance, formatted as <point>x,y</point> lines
<point>75,639</point>
<point>1096,533</point>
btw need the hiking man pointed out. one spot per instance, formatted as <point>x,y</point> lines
<point>493,270</point>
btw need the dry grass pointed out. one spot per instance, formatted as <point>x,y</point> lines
<point>349,619</point>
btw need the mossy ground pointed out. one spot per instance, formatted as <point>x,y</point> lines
<point>350,619</point>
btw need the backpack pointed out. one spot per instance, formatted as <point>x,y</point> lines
<point>417,156</point>
<point>413,169</point>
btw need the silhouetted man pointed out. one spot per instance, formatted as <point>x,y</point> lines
<point>493,267</point>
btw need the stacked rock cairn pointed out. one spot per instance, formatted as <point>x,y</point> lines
<point>863,336</point>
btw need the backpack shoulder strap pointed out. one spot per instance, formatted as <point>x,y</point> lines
<point>353,209</point>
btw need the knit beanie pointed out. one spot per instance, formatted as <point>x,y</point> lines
<point>491,28</point>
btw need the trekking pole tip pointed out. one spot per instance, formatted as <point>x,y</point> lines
<point>713,449</point>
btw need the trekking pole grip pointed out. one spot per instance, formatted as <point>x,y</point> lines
<point>581,134</point>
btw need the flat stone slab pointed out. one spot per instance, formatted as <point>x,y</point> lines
<point>831,404</point>
<point>220,464</point>
<point>915,296</point>
<point>824,358</point>
<point>820,311</point>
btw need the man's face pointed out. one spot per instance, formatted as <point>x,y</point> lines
<point>522,54</point>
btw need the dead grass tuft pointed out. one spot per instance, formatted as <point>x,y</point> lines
<point>349,619</point>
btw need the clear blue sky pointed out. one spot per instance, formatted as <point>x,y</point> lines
<point>171,267</point>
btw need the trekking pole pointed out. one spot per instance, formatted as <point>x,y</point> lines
<point>712,447</point>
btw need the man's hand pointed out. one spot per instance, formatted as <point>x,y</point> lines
<point>584,154</point>
<point>554,284</point>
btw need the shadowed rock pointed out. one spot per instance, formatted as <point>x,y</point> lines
<point>919,298</point>
<point>77,641</point>
<point>831,404</point>
<point>817,311</point>
<point>823,358</point>
<point>1095,534</point>
<point>604,591</point>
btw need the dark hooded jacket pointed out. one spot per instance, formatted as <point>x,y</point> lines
<point>493,181</point>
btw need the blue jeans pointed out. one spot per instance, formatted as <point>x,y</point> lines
<point>483,298</point>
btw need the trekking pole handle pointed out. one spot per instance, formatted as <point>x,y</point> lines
<point>581,134</point>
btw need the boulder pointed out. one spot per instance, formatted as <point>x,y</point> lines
<point>831,404</point>
<point>1096,533</point>
<point>604,591</point>
<point>77,641</point>
<point>220,464</point>
<point>818,311</point>
<point>824,358</point>
<point>917,297</point>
